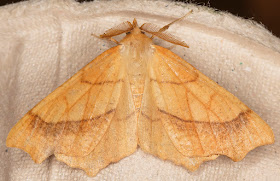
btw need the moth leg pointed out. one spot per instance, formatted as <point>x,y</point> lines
<point>96,36</point>
<point>171,47</point>
<point>114,40</point>
<point>110,39</point>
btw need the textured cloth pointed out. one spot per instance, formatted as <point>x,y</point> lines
<point>43,43</point>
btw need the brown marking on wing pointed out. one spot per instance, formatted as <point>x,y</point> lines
<point>147,117</point>
<point>237,118</point>
<point>173,82</point>
<point>69,126</point>
<point>102,82</point>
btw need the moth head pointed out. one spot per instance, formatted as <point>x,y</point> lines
<point>134,23</point>
<point>132,30</point>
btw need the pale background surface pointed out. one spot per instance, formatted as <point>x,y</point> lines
<point>43,43</point>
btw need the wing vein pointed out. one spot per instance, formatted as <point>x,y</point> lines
<point>64,122</point>
<point>86,92</point>
<point>107,107</point>
<point>254,126</point>
<point>31,134</point>
<point>187,101</point>
<point>98,94</point>
<point>160,88</point>
<point>122,82</point>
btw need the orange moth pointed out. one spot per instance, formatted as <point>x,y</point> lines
<point>139,94</point>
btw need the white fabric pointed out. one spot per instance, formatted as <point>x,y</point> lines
<point>43,43</point>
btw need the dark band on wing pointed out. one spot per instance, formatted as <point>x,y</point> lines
<point>237,118</point>
<point>172,82</point>
<point>102,82</point>
<point>69,126</point>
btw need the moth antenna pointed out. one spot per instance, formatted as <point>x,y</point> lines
<point>159,32</point>
<point>154,31</point>
<point>176,20</point>
<point>117,30</point>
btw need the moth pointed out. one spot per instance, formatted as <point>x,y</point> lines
<point>139,94</point>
